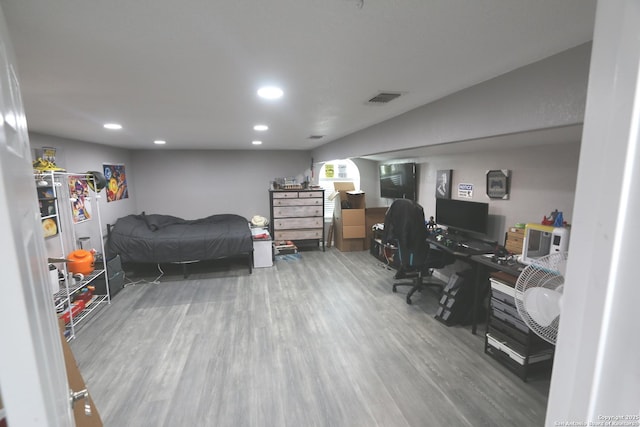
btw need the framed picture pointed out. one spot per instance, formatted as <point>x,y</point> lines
<point>443,184</point>
<point>117,188</point>
<point>498,182</point>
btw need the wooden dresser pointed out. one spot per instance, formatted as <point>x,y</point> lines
<point>297,215</point>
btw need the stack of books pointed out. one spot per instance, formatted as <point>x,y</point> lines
<point>285,247</point>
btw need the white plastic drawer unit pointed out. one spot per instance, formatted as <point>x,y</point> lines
<point>517,357</point>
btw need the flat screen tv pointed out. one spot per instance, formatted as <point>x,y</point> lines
<point>398,181</point>
<point>463,215</point>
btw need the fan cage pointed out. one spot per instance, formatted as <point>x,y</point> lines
<point>545,272</point>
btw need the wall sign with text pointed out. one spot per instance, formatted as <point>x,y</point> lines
<point>465,191</point>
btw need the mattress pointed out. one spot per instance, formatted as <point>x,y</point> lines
<point>164,238</point>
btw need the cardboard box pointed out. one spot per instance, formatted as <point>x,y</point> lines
<point>349,226</point>
<point>348,193</point>
<point>350,245</point>
<point>352,218</point>
<point>353,232</point>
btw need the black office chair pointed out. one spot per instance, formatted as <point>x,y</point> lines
<point>405,228</point>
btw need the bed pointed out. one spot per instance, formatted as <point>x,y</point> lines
<point>168,239</point>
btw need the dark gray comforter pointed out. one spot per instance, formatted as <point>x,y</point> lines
<point>165,238</point>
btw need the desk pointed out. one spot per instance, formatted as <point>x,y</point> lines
<point>480,264</point>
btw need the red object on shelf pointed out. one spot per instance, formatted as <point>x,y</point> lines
<point>76,308</point>
<point>84,296</point>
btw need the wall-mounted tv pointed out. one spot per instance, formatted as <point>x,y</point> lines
<point>398,181</point>
<point>463,215</point>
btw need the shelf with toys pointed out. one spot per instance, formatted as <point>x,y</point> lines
<point>70,212</point>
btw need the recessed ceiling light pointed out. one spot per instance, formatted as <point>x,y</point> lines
<point>270,92</point>
<point>113,126</point>
<point>256,142</point>
<point>159,142</point>
<point>261,127</point>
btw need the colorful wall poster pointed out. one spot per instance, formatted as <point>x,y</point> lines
<point>116,182</point>
<point>79,197</point>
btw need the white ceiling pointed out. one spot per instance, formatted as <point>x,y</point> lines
<point>187,71</point>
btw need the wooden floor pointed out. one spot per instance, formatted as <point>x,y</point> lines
<point>316,341</point>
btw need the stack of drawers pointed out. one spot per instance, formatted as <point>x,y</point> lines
<point>508,338</point>
<point>514,240</point>
<point>297,215</point>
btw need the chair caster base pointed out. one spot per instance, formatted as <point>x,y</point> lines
<point>408,300</point>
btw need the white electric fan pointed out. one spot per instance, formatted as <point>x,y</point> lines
<point>539,294</point>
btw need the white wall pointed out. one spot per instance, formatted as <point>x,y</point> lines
<point>80,157</point>
<point>596,374</point>
<point>543,178</point>
<point>196,184</point>
<point>546,94</point>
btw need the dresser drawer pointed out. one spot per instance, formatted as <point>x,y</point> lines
<point>297,211</point>
<point>310,194</point>
<point>298,234</point>
<point>298,202</point>
<point>292,223</point>
<point>285,194</point>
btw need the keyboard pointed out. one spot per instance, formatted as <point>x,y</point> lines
<point>478,246</point>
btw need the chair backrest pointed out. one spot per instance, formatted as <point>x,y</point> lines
<point>404,225</point>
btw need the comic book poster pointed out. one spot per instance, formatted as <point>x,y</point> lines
<point>79,197</point>
<point>116,182</point>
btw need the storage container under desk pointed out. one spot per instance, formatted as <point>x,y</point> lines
<point>508,338</point>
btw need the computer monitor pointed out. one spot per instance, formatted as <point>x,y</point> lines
<point>463,215</point>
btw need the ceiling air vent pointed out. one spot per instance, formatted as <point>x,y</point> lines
<point>316,136</point>
<point>384,97</point>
